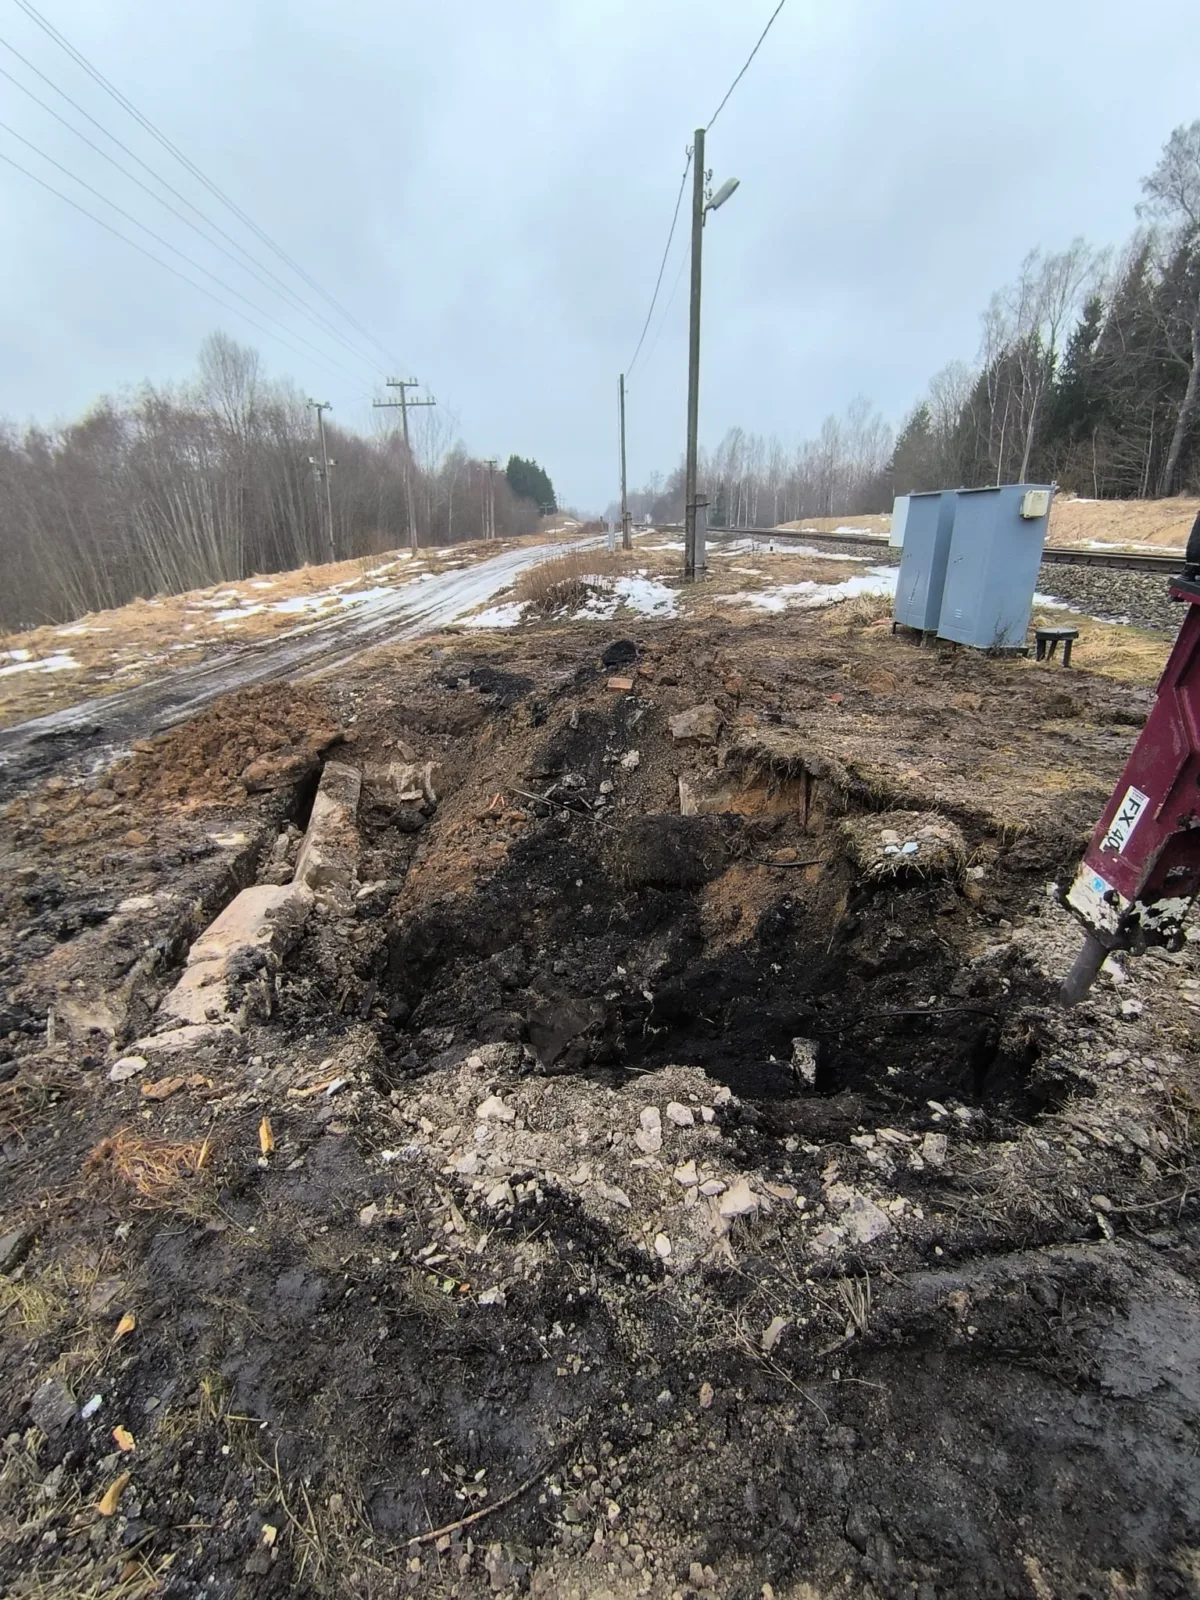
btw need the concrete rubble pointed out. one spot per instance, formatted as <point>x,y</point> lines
<point>699,725</point>
<point>245,945</point>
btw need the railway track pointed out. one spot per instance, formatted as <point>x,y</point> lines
<point>1052,555</point>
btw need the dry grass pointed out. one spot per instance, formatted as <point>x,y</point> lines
<point>1130,655</point>
<point>37,1307</point>
<point>562,582</point>
<point>861,611</point>
<point>159,1172</point>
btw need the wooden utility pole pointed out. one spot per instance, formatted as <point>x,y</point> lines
<point>626,534</point>
<point>321,469</point>
<point>693,396</point>
<point>489,509</point>
<point>404,384</point>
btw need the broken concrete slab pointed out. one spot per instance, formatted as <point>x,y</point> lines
<point>704,794</point>
<point>698,725</point>
<point>254,931</point>
<point>193,1036</point>
<point>401,782</point>
<point>328,859</point>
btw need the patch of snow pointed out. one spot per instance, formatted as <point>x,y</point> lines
<point>651,598</point>
<point>236,613</point>
<point>377,572</point>
<point>63,661</point>
<point>1049,602</point>
<point>669,544</point>
<point>263,583</point>
<point>505,616</point>
<point>367,597</point>
<point>16,655</point>
<point>779,547</point>
<point>1129,544</point>
<point>77,630</point>
<point>638,592</point>
<point>304,602</point>
<point>808,595</point>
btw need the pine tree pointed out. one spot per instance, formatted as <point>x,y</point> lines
<point>914,458</point>
<point>528,481</point>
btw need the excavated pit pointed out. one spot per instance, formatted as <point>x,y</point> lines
<point>748,942</point>
<point>602,966</point>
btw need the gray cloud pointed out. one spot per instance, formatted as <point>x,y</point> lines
<point>488,189</point>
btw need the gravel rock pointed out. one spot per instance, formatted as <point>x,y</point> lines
<point>14,1247</point>
<point>1113,594</point>
<point>52,1407</point>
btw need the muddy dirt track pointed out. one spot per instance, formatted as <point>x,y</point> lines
<point>36,748</point>
<point>647,1178</point>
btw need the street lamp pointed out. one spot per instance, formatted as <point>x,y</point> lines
<point>693,537</point>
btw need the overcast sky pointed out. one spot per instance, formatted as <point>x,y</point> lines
<point>486,186</point>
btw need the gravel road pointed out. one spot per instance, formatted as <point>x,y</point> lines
<point>31,750</point>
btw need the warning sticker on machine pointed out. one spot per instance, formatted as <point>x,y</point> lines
<point>1096,901</point>
<point>1128,815</point>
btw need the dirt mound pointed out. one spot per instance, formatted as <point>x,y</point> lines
<point>259,739</point>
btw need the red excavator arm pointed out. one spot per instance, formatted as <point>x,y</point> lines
<point>1141,871</point>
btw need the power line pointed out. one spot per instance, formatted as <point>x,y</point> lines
<point>735,82</point>
<point>166,265</point>
<point>281,287</point>
<point>662,264</point>
<point>682,181</point>
<point>662,321</point>
<point>175,250</point>
<point>127,105</point>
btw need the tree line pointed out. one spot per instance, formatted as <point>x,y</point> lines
<point>1088,375</point>
<point>211,480</point>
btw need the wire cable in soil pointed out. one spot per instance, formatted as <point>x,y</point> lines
<point>740,75</point>
<point>486,1511</point>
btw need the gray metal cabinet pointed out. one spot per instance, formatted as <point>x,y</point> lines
<point>927,537</point>
<point>995,554</point>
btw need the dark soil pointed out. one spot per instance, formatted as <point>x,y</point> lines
<point>404,1313</point>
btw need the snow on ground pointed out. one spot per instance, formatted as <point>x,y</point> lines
<point>781,547</point>
<point>63,661</point>
<point>505,616</point>
<point>304,602</point>
<point>807,595</point>
<point>1126,544</point>
<point>263,583</point>
<point>1049,602</point>
<point>236,613</point>
<point>637,592</point>
<point>367,597</point>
